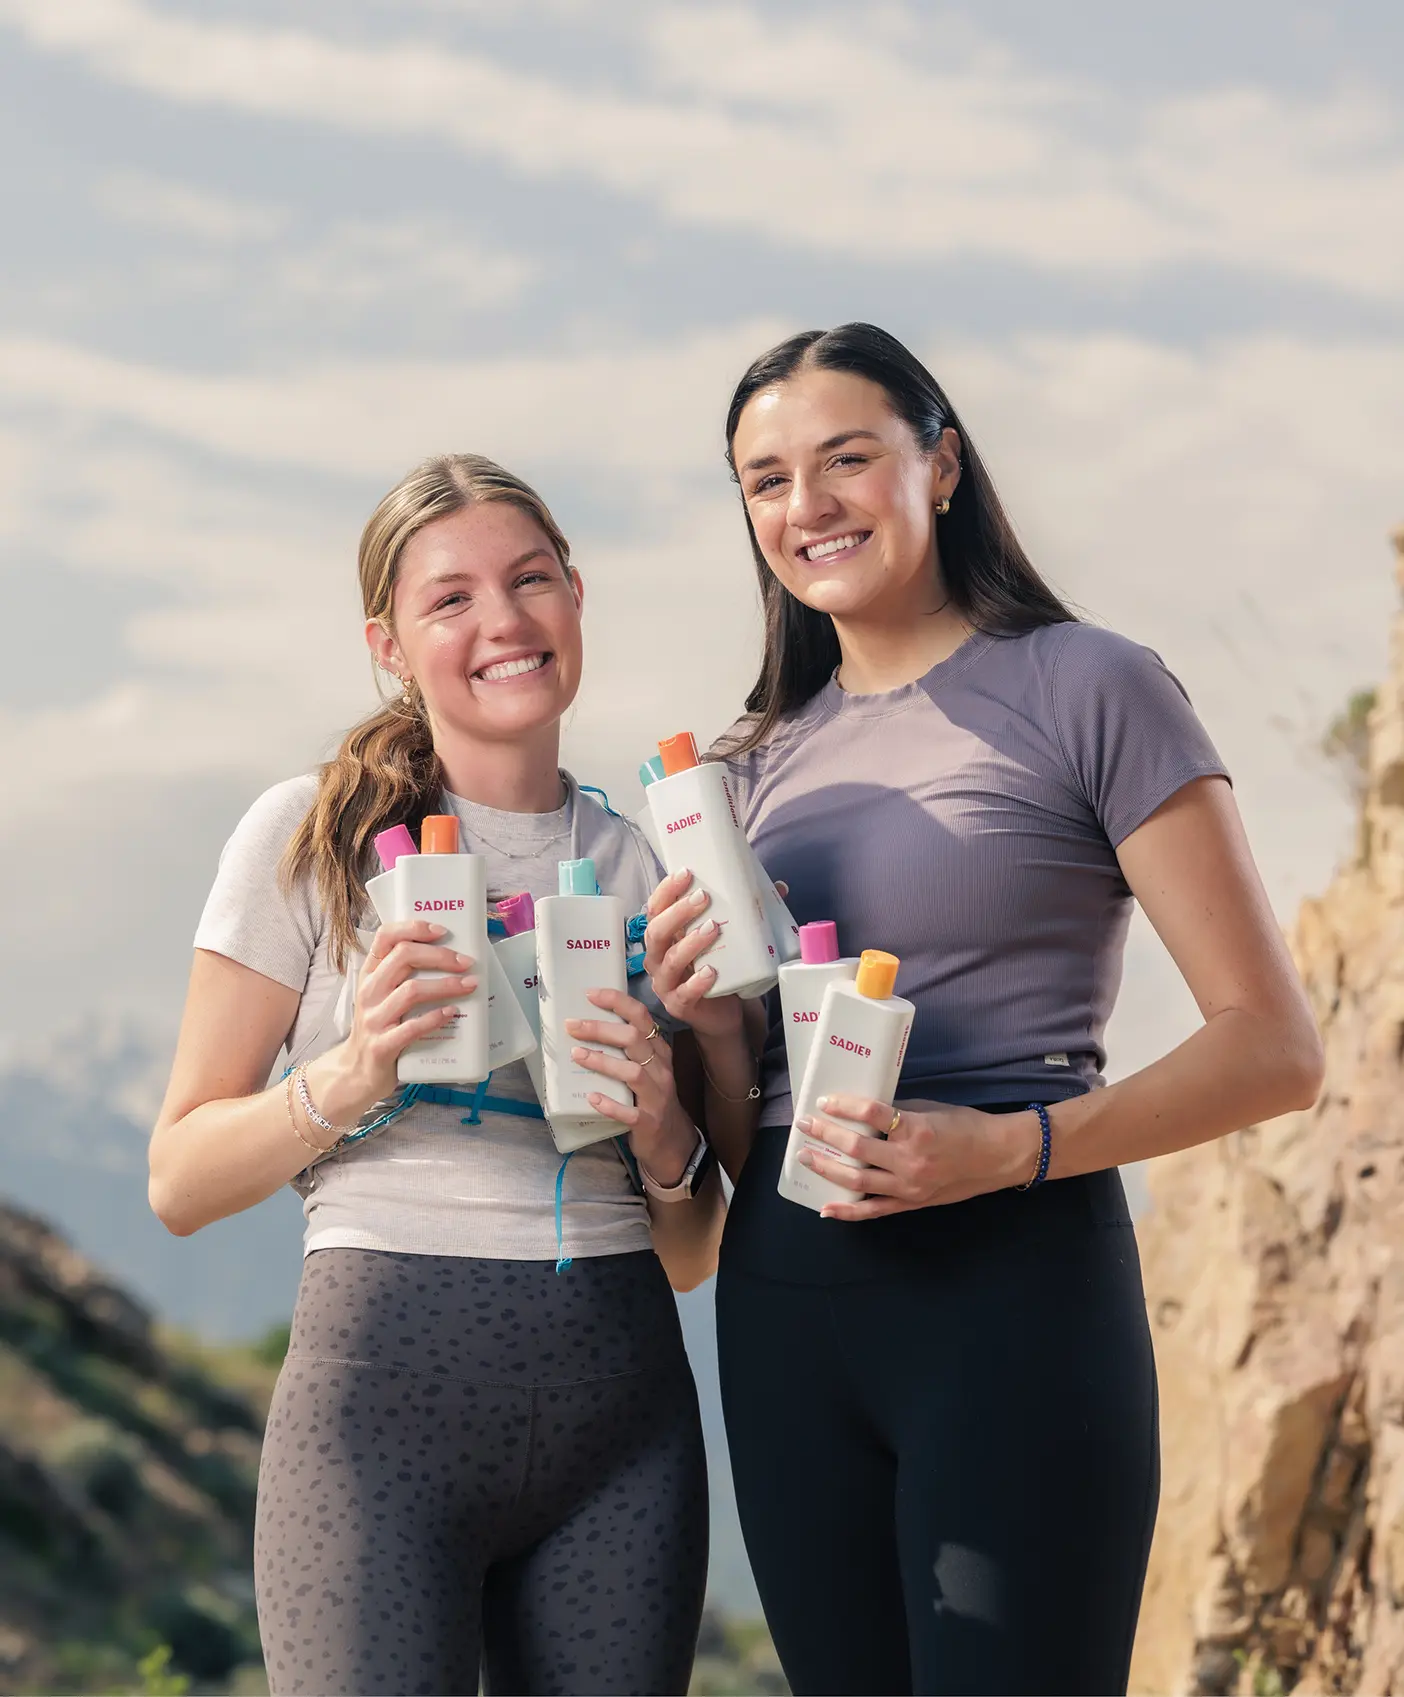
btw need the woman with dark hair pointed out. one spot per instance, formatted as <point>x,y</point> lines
<point>940,1395</point>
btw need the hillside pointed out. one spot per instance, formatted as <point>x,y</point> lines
<point>128,1466</point>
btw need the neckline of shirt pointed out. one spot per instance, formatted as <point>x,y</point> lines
<point>839,702</point>
<point>494,825</point>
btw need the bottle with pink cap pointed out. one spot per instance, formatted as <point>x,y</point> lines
<point>859,1041</point>
<point>510,1034</point>
<point>802,986</point>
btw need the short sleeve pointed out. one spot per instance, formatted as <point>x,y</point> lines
<point>249,917</point>
<point>1126,728</point>
<point>740,769</point>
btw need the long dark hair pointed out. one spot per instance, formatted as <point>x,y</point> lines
<point>988,576</point>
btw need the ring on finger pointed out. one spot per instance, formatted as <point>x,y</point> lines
<point>651,1034</point>
<point>648,1061</point>
<point>896,1121</point>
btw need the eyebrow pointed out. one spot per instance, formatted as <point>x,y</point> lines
<point>824,448</point>
<point>515,565</point>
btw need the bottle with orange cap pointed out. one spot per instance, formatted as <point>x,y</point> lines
<point>449,888</point>
<point>859,1042</point>
<point>511,1029</point>
<point>698,827</point>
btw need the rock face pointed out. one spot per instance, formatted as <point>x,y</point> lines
<point>1274,1265</point>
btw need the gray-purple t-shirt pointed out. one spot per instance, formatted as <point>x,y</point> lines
<point>968,823</point>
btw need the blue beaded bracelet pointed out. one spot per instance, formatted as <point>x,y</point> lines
<point>1045,1153</point>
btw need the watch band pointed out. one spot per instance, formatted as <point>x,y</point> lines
<point>694,1173</point>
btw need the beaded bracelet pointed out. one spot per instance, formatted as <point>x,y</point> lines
<point>306,1142</point>
<point>338,1133</point>
<point>1045,1151</point>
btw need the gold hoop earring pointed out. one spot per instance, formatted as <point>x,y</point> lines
<point>943,506</point>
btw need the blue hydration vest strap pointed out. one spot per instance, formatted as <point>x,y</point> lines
<point>591,789</point>
<point>631,1165</point>
<point>477,1100</point>
<point>634,929</point>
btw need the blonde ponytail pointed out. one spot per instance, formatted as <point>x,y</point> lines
<point>386,771</point>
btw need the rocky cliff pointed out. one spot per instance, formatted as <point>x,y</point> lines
<point>128,1464</point>
<point>1274,1264</point>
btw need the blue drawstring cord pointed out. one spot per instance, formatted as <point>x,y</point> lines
<point>563,1261</point>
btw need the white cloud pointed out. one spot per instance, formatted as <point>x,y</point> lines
<point>978,157</point>
<point>640,408</point>
<point>135,197</point>
<point>338,270</point>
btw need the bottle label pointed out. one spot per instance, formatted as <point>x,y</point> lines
<point>684,824</point>
<point>436,906</point>
<point>587,942</point>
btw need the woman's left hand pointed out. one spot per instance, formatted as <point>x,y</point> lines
<point>919,1157</point>
<point>661,1135</point>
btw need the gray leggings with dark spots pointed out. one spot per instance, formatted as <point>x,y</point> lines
<point>482,1465</point>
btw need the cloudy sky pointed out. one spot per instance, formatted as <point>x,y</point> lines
<point>259,259</point>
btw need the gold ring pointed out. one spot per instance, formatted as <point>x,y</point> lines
<point>647,1063</point>
<point>896,1121</point>
<point>652,1033</point>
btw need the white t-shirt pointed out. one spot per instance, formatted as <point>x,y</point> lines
<point>429,1184</point>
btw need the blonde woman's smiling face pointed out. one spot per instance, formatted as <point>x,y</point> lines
<point>487,622</point>
<point>841,495</point>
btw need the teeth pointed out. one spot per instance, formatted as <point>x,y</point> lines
<point>820,549</point>
<point>512,668</point>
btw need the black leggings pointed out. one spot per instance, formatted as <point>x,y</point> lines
<point>482,1464</point>
<point>947,1474</point>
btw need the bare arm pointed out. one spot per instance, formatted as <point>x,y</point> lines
<point>222,1142</point>
<point>1258,1053</point>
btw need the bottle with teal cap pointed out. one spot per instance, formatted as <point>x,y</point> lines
<point>579,947</point>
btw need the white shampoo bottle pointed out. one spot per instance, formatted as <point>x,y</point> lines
<point>802,986</point>
<point>516,956</point>
<point>449,888</point>
<point>697,826</point>
<point>859,1041</point>
<point>784,930</point>
<point>511,1036</point>
<point>579,947</point>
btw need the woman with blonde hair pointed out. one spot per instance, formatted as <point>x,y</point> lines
<point>484,1450</point>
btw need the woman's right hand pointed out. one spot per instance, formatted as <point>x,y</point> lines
<point>390,1004</point>
<point>670,959</point>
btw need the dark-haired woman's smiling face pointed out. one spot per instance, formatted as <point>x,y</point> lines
<point>841,495</point>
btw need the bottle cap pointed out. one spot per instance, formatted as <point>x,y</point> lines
<point>577,878</point>
<point>877,974</point>
<point>439,834</point>
<point>818,942</point>
<point>651,771</point>
<point>517,913</point>
<point>393,845</point>
<point>679,753</point>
